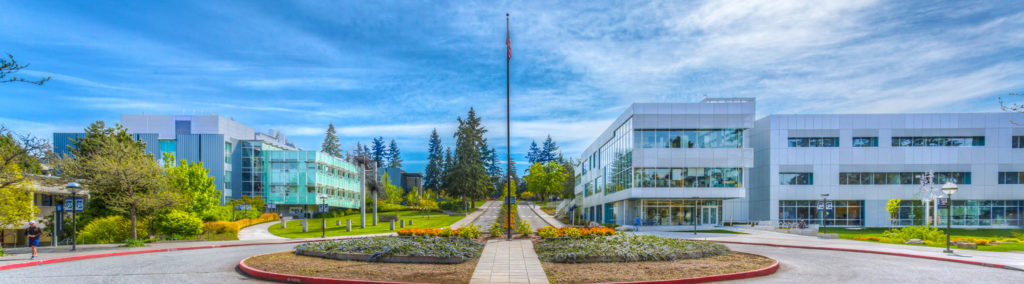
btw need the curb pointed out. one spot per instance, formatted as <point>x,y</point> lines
<point>995,265</point>
<point>771,269</point>
<point>101,255</point>
<point>266,275</point>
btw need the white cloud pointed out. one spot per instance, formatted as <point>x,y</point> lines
<point>301,83</point>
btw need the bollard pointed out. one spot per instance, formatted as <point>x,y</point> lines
<point>392,225</point>
<point>284,224</point>
<point>305,226</point>
<point>348,226</point>
<point>401,224</point>
<point>337,223</point>
<point>410,222</point>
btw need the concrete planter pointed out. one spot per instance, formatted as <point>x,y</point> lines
<point>390,258</point>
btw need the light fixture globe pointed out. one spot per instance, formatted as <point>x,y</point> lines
<point>949,188</point>
<point>73,186</point>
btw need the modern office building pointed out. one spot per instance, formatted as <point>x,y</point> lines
<point>862,161</point>
<point>401,179</point>
<point>710,163</point>
<point>669,164</point>
<point>244,162</point>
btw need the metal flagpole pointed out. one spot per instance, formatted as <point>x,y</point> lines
<point>508,133</point>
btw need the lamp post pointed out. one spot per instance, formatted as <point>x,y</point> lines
<point>74,187</point>
<point>949,189</point>
<point>323,217</point>
<point>824,202</point>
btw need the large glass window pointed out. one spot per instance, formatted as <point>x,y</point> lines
<point>227,152</point>
<point>689,138</point>
<point>985,213</point>
<point>1018,142</point>
<point>617,159</point>
<point>796,178</point>
<point>943,141</point>
<point>689,177</point>
<point>1011,177</point>
<point>813,142</point>
<point>865,141</point>
<point>902,178</point>
<point>844,212</point>
<point>168,146</point>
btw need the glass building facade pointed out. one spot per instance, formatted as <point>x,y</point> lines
<point>617,158</point>
<point>690,177</point>
<point>689,138</point>
<point>301,177</point>
<point>846,213</point>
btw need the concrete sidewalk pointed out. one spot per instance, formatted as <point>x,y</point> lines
<point>547,218</point>
<point>509,262</point>
<point>259,232</point>
<point>1013,260</point>
<point>473,216</point>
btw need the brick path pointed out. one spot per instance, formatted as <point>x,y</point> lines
<point>509,262</point>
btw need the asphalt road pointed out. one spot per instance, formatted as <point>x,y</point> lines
<point>821,266</point>
<point>489,216</point>
<point>531,217</point>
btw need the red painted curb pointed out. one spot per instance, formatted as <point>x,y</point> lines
<point>91,256</point>
<point>996,265</point>
<point>715,278</point>
<point>266,275</point>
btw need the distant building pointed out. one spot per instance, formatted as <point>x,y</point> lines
<point>244,162</point>
<point>401,179</point>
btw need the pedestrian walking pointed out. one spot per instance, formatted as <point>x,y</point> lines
<point>33,233</point>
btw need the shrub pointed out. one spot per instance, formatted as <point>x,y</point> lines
<point>178,223</point>
<point>446,232</point>
<point>387,246</point>
<point>469,232</point>
<point>221,227</point>
<point>571,232</point>
<point>133,243</point>
<point>868,238</point>
<point>524,228</point>
<point>915,232</point>
<point>110,229</point>
<point>547,232</point>
<point>266,217</point>
<point>496,230</point>
<point>574,232</point>
<point>982,242</point>
<point>388,207</point>
<point>625,248</point>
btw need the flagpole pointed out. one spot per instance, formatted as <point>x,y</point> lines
<point>508,133</point>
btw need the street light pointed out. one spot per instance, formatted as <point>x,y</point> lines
<point>323,217</point>
<point>74,187</point>
<point>824,202</point>
<point>949,189</point>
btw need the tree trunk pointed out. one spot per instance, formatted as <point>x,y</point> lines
<point>135,235</point>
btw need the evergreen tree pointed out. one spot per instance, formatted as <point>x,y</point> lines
<point>468,177</point>
<point>435,163</point>
<point>379,151</point>
<point>394,155</point>
<point>549,152</point>
<point>359,149</point>
<point>331,144</point>
<point>533,154</point>
<point>446,172</point>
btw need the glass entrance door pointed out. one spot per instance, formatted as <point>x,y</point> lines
<point>709,215</point>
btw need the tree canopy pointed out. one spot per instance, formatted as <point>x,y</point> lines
<point>394,156</point>
<point>331,144</point>
<point>10,66</point>
<point>546,180</point>
<point>435,162</point>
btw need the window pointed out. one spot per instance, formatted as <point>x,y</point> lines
<point>227,152</point>
<point>227,179</point>
<point>1018,141</point>
<point>865,141</point>
<point>689,138</point>
<point>689,177</point>
<point>182,127</point>
<point>45,200</point>
<point>168,146</point>
<point>964,141</point>
<point>796,178</point>
<point>813,142</point>
<point>1011,177</point>
<point>844,212</point>
<point>903,178</point>
<point>985,213</point>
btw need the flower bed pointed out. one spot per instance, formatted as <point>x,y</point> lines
<point>574,232</point>
<point>625,248</point>
<point>393,249</point>
<point>468,232</point>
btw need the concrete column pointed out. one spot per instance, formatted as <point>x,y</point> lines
<point>348,226</point>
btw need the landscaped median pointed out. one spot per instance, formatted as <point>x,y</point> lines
<point>597,255</point>
<point>980,239</point>
<point>389,259</point>
<point>420,220</point>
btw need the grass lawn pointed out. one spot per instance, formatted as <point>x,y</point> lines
<point>716,231</point>
<point>990,234</point>
<point>294,230</point>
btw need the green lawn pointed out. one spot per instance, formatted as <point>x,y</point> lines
<point>294,230</point>
<point>990,234</point>
<point>716,231</point>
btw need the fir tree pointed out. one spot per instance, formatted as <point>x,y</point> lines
<point>331,144</point>
<point>549,152</point>
<point>394,155</point>
<point>468,177</point>
<point>533,154</point>
<point>379,151</point>
<point>435,163</point>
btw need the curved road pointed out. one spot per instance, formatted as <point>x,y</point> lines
<point>491,210</point>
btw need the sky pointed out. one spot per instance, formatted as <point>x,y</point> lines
<point>400,69</point>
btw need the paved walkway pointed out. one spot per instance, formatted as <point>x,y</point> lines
<point>1010,259</point>
<point>509,262</point>
<point>259,232</point>
<point>544,216</point>
<point>483,216</point>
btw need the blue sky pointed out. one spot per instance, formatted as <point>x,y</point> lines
<point>400,69</point>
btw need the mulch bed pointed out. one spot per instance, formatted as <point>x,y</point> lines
<point>289,263</point>
<point>653,270</point>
